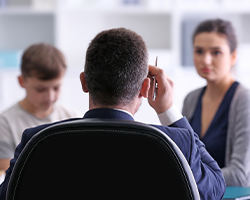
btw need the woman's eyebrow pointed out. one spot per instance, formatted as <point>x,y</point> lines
<point>213,48</point>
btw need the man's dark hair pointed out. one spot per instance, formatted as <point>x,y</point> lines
<point>116,66</point>
<point>221,27</point>
<point>43,61</point>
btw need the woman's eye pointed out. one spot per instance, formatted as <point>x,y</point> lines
<point>216,52</point>
<point>198,51</point>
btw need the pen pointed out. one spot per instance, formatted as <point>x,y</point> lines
<point>154,82</point>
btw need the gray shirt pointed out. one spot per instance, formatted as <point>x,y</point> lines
<point>237,157</point>
<point>15,120</point>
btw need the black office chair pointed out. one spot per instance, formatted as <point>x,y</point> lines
<point>101,159</point>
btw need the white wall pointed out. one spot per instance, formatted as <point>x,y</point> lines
<point>72,24</point>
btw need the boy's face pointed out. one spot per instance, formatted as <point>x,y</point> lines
<point>41,94</point>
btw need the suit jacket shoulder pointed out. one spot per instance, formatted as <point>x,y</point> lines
<point>26,136</point>
<point>207,174</point>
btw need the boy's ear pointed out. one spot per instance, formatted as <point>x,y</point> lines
<point>83,82</point>
<point>21,81</point>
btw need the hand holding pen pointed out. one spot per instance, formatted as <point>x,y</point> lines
<point>154,83</point>
<point>160,95</point>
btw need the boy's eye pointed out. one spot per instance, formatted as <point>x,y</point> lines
<point>40,89</point>
<point>56,88</point>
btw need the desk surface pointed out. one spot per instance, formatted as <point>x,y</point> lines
<point>2,176</point>
<point>237,193</point>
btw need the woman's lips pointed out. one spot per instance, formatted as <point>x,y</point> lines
<point>206,70</point>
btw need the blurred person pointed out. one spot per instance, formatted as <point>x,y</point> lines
<point>42,71</point>
<point>117,77</point>
<point>220,112</point>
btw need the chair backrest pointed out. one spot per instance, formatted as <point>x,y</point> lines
<point>101,159</point>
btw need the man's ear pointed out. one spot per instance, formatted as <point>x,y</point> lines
<point>145,88</point>
<point>83,82</point>
<point>21,81</point>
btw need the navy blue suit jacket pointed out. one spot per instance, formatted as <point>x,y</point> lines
<point>207,174</point>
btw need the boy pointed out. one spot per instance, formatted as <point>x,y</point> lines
<point>42,71</point>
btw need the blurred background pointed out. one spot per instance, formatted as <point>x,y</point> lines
<point>166,26</point>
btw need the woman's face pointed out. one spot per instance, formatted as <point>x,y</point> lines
<point>212,57</point>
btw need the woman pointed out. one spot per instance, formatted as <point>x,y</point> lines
<point>220,112</point>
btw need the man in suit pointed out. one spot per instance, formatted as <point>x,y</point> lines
<point>117,77</point>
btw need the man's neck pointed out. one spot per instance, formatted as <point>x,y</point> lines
<point>130,108</point>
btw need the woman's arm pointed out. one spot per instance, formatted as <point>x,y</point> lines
<point>237,163</point>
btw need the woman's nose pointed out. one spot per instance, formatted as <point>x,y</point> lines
<point>207,59</point>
